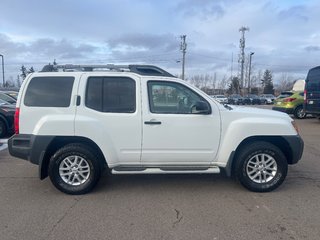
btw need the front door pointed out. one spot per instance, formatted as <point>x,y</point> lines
<point>173,132</point>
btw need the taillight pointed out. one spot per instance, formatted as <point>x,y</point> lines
<point>305,96</point>
<point>289,99</point>
<point>16,121</point>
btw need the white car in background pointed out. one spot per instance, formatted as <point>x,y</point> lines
<point>269,98</point>
<point>220,98</point>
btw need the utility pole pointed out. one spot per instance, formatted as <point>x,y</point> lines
<point>183,49</point>
<point>249,80</point>
<point>231,66</point>
<point>3,81</point>
<point>241,55</point>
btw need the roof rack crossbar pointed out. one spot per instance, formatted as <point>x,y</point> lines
<point>147,70</point>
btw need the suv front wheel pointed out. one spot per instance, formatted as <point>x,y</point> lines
<point>74,169</point>
<point>261,167</point>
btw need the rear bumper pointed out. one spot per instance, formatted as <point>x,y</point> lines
<point>29,147</point>
<point>314,111</point>
<point>285,110</point>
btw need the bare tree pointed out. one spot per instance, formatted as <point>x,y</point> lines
<point>285,82</point>
<point>223,83</point>
<point>196,80</point>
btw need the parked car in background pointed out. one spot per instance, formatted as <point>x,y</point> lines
<point>252,99</point>
<point>221,98</point>
<point>7,98</point>
<point>12,94</point>
<point>6,118</point>
<point>284,94</point>
<point>292,104</point>
<point>312,92</point>
<point>268,97</point>
<point>235,99</point>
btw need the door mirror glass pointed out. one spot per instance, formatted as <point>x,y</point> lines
<point>201,107</point>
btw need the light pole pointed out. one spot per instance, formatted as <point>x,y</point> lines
<point>249,83</point>
<point>2,70</point>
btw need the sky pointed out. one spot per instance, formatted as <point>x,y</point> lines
<point>284,34</point>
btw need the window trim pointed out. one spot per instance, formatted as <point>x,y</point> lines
<point>102,90</point>
<point>149,85</point>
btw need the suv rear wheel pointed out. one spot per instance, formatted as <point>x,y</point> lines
<point>75,169</point>
<point>261,167</point>
<point>299,112</point>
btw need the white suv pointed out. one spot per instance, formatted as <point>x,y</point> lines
<point>140,119</point>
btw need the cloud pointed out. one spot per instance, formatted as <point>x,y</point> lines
<point>45,48</point>
<point>295,12</point>
<point>204,9</point>
<point>62,49</point>
<point>150,42</point>
<point>312,48</point>
<point>148,31</point>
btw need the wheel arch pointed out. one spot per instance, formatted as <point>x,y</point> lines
<point>61,141</point>
<point>278,141</point>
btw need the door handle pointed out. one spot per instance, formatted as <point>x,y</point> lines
<point>78,100</point>
<point>152,122</point>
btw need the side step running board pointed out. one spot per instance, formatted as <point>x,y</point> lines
<point>171,171</point>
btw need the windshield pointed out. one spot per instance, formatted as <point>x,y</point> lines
<point>6,98</point>
<point>12,94</point>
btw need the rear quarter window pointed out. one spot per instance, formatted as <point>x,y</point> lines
<point>49,92</point>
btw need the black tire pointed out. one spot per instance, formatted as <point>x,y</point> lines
<point>73,152</point>
<point>299,112</point>
<point>3,129</point>
<point>248,154</point>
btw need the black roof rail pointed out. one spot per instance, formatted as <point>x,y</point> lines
<point>145,70</point>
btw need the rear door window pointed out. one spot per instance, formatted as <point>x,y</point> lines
<point>111,94</point>
<point>49,92</point>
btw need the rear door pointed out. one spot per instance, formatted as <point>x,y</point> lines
<point>312,103</point>
<point>109,114</point>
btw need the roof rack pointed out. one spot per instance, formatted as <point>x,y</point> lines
<point>146,70</point>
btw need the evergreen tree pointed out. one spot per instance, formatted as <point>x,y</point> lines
<point>267,82</point>
<point>234,86</point>
<point>31,70</point>
<point>24,72</point>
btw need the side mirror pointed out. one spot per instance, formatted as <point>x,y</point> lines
<point>201,107</point>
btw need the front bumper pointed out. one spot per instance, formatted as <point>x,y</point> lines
<point>296,144</point>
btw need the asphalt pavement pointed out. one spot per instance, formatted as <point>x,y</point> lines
<point>163,206</point>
